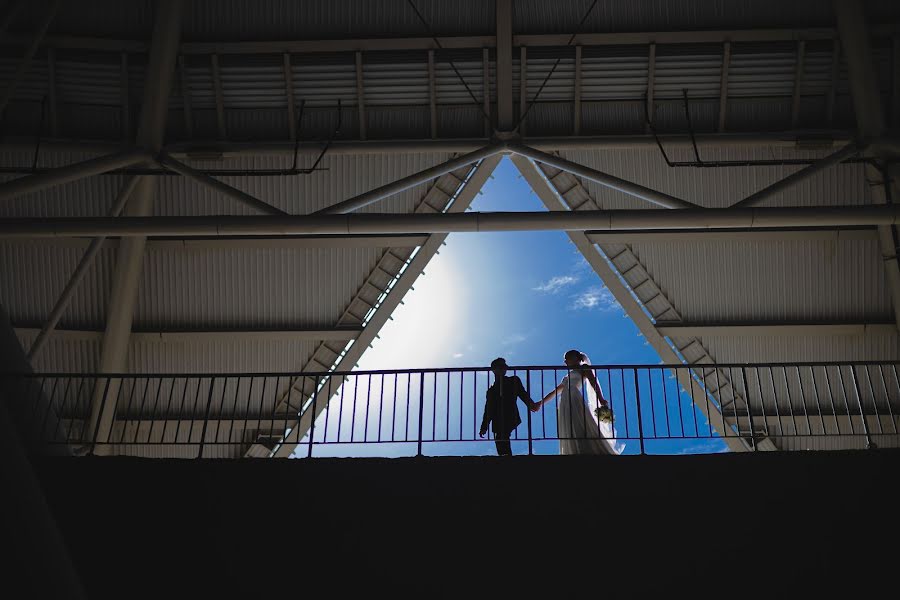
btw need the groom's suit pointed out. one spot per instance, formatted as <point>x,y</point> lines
<point>502,412</point>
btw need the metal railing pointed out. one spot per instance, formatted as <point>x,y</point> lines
<point>657,408</point>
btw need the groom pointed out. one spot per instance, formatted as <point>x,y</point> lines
<point>500,407</point>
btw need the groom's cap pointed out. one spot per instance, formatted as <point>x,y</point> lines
<point>498,362</point>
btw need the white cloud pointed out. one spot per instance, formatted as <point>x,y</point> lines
<point>555,284</point>
<point>515,338</point>
<point>457,355</point>
<point>596,298</point>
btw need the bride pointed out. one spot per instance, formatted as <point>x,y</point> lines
<point>580,432</point>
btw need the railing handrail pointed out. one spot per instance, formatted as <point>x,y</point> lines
<point>511,368</point>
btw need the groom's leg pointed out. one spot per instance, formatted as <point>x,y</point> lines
<point>501,440</point>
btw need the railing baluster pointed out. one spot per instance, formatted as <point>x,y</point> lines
<point>662,379</point>
<point>803,401</point>
<point>51,403</point>
<point>447,412</point>
<point>380,404</point>
<point>775,402</point>
<point>353,411</point>
<point>837,424</point>
<point>408,393</point>
<point>762,402</point>
<point>812,376</point>
<point>874,400</point>
<point>212,384</point>
<point>421,408</point>
<point>434,408</point>
<point>887,397</point>
<point>528,412</point>
<point>749,413</point>
<point>180,411</point>
<point>709,413</point>
<point>846,401</point>
<point>787,387</point>
<point>102,408</point>
<point>368,401</point>
<point>862,413</point>
<point>134,383</point>
<point>312,421</point>
<point>637,399</point>
<point>327,410</point>
<point>652,402</point>
<point>340,427</point>
<point>693,403</point>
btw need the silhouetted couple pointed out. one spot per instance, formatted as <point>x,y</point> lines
<point>584,418</point>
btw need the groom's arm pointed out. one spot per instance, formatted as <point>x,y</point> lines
<point>522,393</point>
<point>486,417</point>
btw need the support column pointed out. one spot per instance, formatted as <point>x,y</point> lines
<point>154,109</point>
<point>871,124</point>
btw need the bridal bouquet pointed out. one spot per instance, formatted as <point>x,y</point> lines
<point>604,414</point>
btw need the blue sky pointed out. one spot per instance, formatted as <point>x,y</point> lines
<point>526,296</point>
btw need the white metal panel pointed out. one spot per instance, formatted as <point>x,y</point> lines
<point>250,288</point>
<point>730,281</point>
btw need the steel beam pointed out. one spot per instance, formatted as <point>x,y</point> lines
<point>87,259</point>
<point>798,83</point>
<point>61,175</point>
<point>803,174</point>
<point>223,188</point>
<point>723,86</point>
<point>432,96</point>
<point>604,179</point>
<point>53,104</point>
<point>220,98</point>
<point>504,66</point>
<point>486,87</point>
<point>483,41</point>
<point>154,109</point>
<point>289,96</point>
<point>125,99</point>
<point>576,117</point>
<point>360,96</point>
<point>466,194</point>
<point>410,181</point>
<point>650,109</point>
<point>871,123</point>
<point>523,86</point>
<point>186,97</point>
<point>403,223</point>
<point>623,296</point>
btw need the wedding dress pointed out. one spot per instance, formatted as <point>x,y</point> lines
<point>579,430</point>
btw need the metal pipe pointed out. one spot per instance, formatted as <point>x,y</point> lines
<point>410,181</point>
<point>87,259</point>
<point>219,150</point>
<point>425,223</point>
<point>793,179</point>
<point>223,188</point>
<point>73,172</point>
<point>604,179</point>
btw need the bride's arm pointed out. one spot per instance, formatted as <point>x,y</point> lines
<point>592,378</point>
<point>551,395</point>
